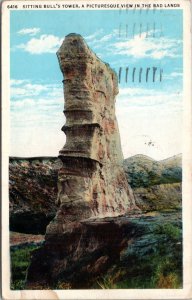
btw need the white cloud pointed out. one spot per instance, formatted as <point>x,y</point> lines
<point>27,90</point>
<point>23,103</point>
<point>35,141</point>
<point>32,102</point>
<point>142,100</point>
<point>24,89</point>
<point>42,103</point>
<point>43,44</point>
<point>29,31</point>
<point>143,92</point>
<point>135,91</point>
<point>35,121</point>
<point>176,74</point>
<point>144,118</point>
<point>94,35</point>
<point>18,81</point>
<point>142,47</point>
<point>148,114</point>
<point>98,40</point>
<point>106,38</point>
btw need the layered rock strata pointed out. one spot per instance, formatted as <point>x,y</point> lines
<point>92,176</point>
<point>91,182</point>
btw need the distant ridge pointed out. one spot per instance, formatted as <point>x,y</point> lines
<point>142,156</point>
<point>139,156</point>
<point>136,156</point>
<point>177,156</point>
<point>32,157</point>
<point>143,171</point>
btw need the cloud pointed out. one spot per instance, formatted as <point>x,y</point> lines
<point>36,120</point>
<point>35,141</point>
<point>105,38</point>
<point>29,31</point>
<point>153,114</point>
<point>139,47</point>
<point>136,92</point>
<point>141,100</point>
<point>98,39</point>
<point>43,44</point>
<point>25,89</point>
<point>94,35</point>
<point>18,81</point>
<point>40,104</point>
<point>176,74</point>
<point>31,102</point>
<point>36,115</point>
<point>34,104</point>
<point>142,47</point>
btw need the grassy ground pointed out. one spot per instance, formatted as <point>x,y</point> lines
<point>156,266</point>
<point>152,261</point>
<point>20,259</point>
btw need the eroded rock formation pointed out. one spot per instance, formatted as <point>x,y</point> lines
<point>99,253</point>
<point>92,175</point>
<point>91,182</point>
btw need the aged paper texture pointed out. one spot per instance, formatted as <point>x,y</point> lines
<point>101,209</point>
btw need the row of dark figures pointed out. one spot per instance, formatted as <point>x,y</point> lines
<point>141,74</point>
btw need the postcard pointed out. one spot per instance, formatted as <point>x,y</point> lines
<point>96,149</point>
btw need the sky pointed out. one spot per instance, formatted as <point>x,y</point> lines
<point>149,113</point>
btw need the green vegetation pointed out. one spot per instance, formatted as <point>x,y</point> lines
<point>171,231</point>
<point>143,171</point>
<point>156,184</point>
<point>154,261</point>
<point>20,259</point>
<point>171,281</point>
<point>142,177</point>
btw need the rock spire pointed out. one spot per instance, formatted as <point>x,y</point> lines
<point>92,178</point>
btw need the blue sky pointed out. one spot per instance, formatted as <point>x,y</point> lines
<point>149,113</point>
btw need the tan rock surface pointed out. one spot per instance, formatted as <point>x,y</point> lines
<point>91,182</point>
<point>92,172</point>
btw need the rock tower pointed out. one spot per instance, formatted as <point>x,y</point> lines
<point>92,181</point>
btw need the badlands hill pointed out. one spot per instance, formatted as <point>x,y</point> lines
<point>33,188</point>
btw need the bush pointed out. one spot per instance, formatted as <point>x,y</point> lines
<point>171,231</point>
